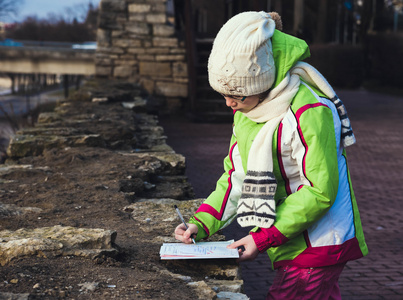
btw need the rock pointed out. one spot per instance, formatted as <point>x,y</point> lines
<point>178,276</point>
<point>172,163</point>
<point>233,286</point>
<point>135,185</point>
<point>11,296</point>
<point>48,117</point>
<point>203,291</point>
<point>33,145</point>
<point>103,99</point>
<point>27,247</point>
<point>88,286</point>
<point>225,289</point>
<point>55,241</point>
<point>135,104</point>
<point>7,210</point>
<point>232,296</point>
<point>161,211</point>
<point>174,187</point>
<point>8,169</point>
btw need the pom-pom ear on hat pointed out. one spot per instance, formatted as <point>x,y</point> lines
<point>277,19</point>
<point>241,60</point>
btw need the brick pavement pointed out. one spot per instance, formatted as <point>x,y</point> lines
<point>376,166</point>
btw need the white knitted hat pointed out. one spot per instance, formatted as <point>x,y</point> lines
<point>241,60</point>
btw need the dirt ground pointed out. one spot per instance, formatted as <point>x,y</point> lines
<point>80,188</point>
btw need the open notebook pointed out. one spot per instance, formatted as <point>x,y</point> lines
<point>198,251</point>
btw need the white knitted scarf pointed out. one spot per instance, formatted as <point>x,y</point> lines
<point>256,207</point>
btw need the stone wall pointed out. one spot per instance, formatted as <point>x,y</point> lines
<point>138,43</point>
<point>86,201</point>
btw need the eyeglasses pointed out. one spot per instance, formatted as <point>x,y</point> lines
<point>236,98</point>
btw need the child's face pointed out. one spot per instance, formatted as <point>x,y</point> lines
<point>246,105</point>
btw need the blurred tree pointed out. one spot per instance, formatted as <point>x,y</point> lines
<point>91,19</point>
<point>73,28</point>
<point>9,7</point>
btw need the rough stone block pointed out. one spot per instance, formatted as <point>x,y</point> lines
<point>156,18</point>
<point>117,33</point>
<point>203,290</point>
<point>170,58</point>
<point>7,210</point>
<point>139,8</point>
<point>113,5</point>
<point>165,42</point>
<point>136,50</point>
<point>232,286</point>
<point>146,57</point>
<point>13,296</point>
<point>48,117</point>
<point>147,43</point>
<point>181,80</point>
<point>121,19</point>
<point>155,69</point>
<point>109,22</point>
<point>163,30</point>
<point>126,43</point>
<point>103,70</point>
<point>103,37</point>
<point>101,61</point>
<point>160,7</point>
<point>127,60</point>
<point>158,51</point>
<point>148,85</point>
<point>177,51</point>
<point>110,50</point>
<point>138,28</point>
<point>170,89</point>
<point>31,145</point>
<point>55,241</point>
<point>179,69</point>
<point>122,71</point>
<point>160,211</point>
<point>99,55</point>
<point>137,18</point>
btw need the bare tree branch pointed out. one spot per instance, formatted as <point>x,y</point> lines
<point>9,7</point>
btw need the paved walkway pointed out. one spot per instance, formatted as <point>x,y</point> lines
<point>376,165</point>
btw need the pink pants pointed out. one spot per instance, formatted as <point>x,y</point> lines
<point>306,283</point>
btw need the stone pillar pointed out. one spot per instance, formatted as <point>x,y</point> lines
<point>138,43</point>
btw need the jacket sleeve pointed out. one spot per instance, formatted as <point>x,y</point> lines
<point>219,209</point>
<point>314,151</point>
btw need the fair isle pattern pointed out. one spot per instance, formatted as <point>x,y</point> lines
<point>347,134</point>
<point>312,76</point>
<point>256,207</point>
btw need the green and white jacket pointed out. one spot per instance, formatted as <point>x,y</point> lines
<point>317,219</point>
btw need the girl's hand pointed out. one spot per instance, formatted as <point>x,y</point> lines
<point>185,236</point>
<point>251,251</point>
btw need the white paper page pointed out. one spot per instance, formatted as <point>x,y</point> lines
<point>198,251</point>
